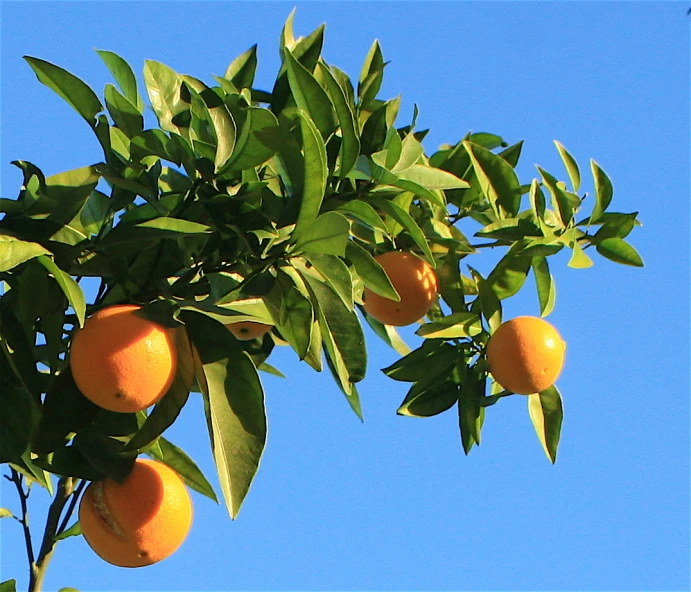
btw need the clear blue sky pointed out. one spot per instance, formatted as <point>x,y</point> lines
<point>393,503</point>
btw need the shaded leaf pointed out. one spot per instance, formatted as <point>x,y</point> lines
<point>14,251</point>
<point>618,250</point>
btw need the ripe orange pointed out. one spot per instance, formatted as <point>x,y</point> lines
<point>526,355</point>
<point>246,330</point>
<point>140,521</point>
<point>415,283</point>
<point>121,361</point>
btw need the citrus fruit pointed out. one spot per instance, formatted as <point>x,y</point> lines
<point>140,521</point>
<point>121,361</point>
<point>246,330</point>
<point>526,355</point>
<point>415,283</point>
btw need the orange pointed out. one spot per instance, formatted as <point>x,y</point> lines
<point>415,283</point>
<point>246,330</point>
<point>121,361</point>
<point>140,521</point>
<point>526,355</point>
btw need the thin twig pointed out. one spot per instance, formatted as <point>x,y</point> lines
<point>17,479</point>
<point>73,502</point>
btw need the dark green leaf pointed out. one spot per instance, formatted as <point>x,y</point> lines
<point>546,412</point>
<point>250,150</point>
<point>508,276</point>
<point>69,87</point>
<point>70,288</point>
<point>616,226</point>
<point>434,357</point>
<point>490,305</point>
<point>432,400</point>
<point>470,413</point>
<point>296,314</point>
<point>8,586</point>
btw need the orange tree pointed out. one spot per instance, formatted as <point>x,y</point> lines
<point>270,208</point>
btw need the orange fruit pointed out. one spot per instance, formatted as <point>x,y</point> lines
<point>121,361</point>
<point>246,330</point>
<point>140,521</point>
<point>416,284</point>
<point>526,355</point>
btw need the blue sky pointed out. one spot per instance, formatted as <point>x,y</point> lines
<point>393,503</point>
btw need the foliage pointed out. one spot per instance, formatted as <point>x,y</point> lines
<point>242,204</point>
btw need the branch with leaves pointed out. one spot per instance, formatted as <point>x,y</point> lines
<point>241,204</point>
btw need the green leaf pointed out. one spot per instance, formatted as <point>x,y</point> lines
<point>8,586</point>
<point>432,178</point>
<point>579,260</point>
<point>224,128</point>
<point>508,276</point>
<point>407,222</point>
<point>124,76</point>
<point>411,151</point>
<point>603,191</point>
<point>310,96</point>
<point>125,115</point>
<point>546,412</point>
<point>341,330</point>
<point>296,314</point>
<point>616,226</point>
<point>250,151</point>
<point>546,289</point>
<point>328,233</point>
<point>560,201</point>
<point>236,420</point>
<point>371,76</point>
<point>370,272</point>
<point>350,145</point>
<point>488,300</point>
<point>498,180</point>
<point>178,459</point>
<point>363,212</point>
<point>14,252</point>
<point>70,288</point>
<point>618,250</point>
<point>315,174</point>
<point>388,334</point>
<point>453,326</point>
<point>511,229</point>
<point>74,530</point>
<point>433,358</point>
<point>242,69</point>
<point>95,212</point>
<point>163,88</point>
<point>174,226</point>
<point>470,413</point>
<point>69,87</point>
<point>336,274</point>
<point>571,166</point>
